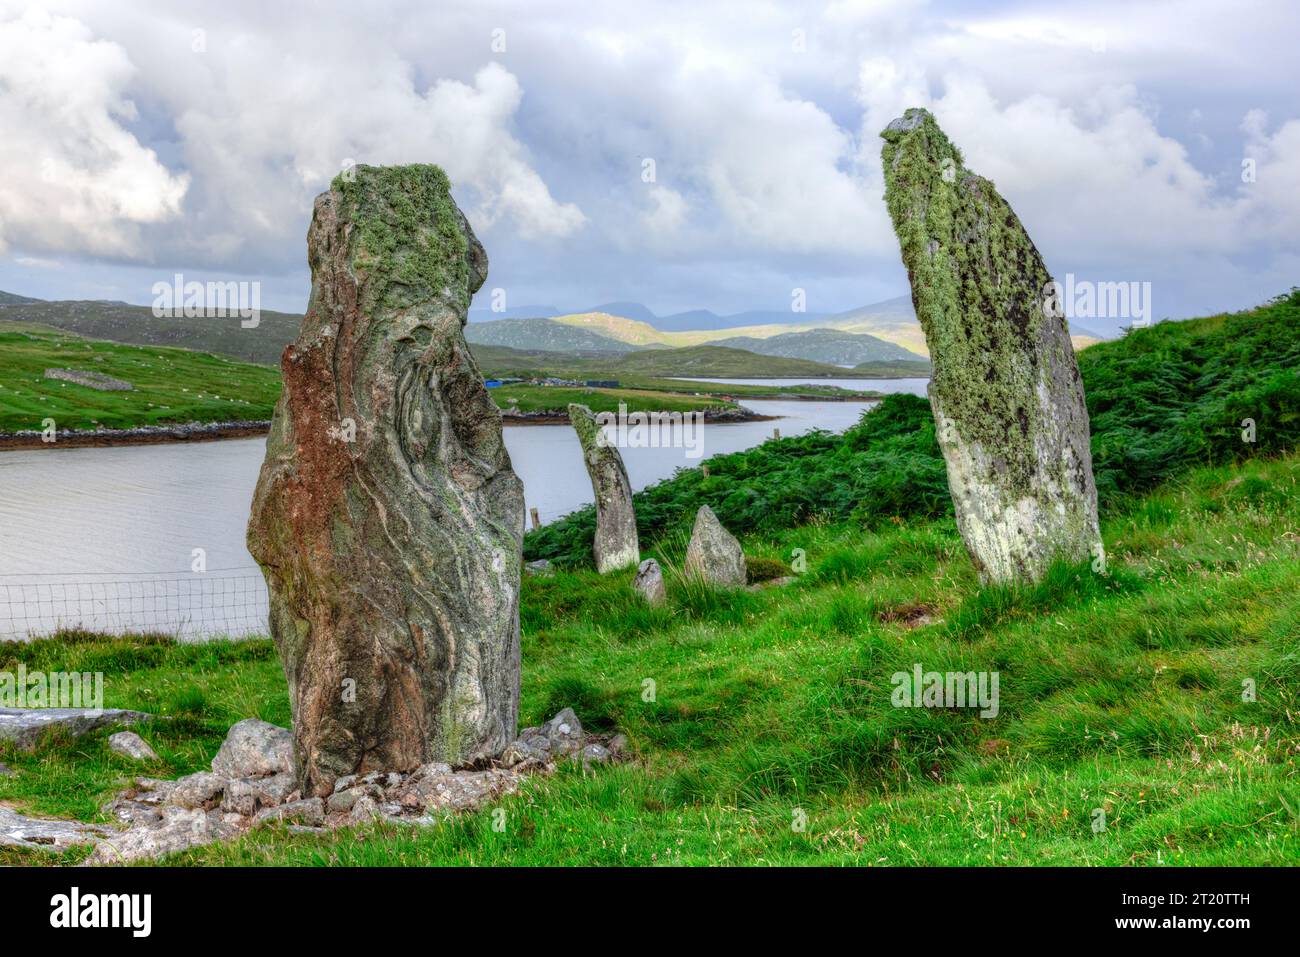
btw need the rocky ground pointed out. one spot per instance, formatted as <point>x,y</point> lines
<point>252,785</point>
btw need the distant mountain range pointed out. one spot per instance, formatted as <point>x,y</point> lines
<point>544,334</point>
<point>824,345</point>
<point>883,333</point>
<point>694,319</point>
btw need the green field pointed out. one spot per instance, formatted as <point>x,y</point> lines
<point>1121,692</point>
<point>178,386</point>
<point>536,398</point>
<point>170,385</point>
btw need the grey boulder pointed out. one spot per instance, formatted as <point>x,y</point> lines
<point>254,748</point>
<point>17,830</point>
<point>131,745</point>
<point>649,582</point>
<point>26,726</point>
<point>713,554</point>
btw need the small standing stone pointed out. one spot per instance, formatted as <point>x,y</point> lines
<point>713,554</point>
<point>649,582</point>
<point>131,745</point>
<point>542,568</point>
<point>616,545</point>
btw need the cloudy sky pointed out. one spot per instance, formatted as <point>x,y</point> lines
<point>150,138</point>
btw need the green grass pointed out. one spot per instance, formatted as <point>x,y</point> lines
<point>536,398</point>
<point>1120,691</point>
<point>170,385</point>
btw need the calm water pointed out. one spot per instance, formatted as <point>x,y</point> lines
<point>106,537</point>
<point>887,386</point>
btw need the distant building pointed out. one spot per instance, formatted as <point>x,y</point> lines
<point>601,383</point>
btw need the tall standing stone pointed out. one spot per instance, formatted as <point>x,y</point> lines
<point>1005,389</point>
<point>387,519</point>
<point>616,544</point>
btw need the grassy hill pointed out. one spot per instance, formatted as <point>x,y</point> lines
<point>1147,712</point>
<point>825,345</point>
<point>720,361</point>
<point>542,334</point>
<point>137,325</point>
<point>170,385</point>
<point>1120,693</point>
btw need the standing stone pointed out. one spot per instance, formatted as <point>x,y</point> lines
<point>1005,389</point>
<point>649,582</point>
<point>387,519</point>
<point>616,539</point>
<point>713,553</point>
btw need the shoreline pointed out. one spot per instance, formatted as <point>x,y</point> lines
<point>216,431</point>
<point>715,416</point>
<point>140,435</point>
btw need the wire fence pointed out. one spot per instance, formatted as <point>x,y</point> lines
<point>189,606</point>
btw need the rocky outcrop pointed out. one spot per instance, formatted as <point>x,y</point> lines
<point>164,817</point>
<point>91,380</point>
<point>18,830</point>
<point>25,727</point>
<point>713,554</point>
<point>616,544</point>
<point>1005,389</point>
<point>387,519</point>
<point>649,582</point>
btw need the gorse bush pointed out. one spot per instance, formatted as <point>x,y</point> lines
<point>1161,400</point>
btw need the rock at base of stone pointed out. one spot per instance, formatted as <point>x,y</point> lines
<point>615,545</point>
<point>254,748</point>
<point>164,817</point>
<point>649,582</point>
<point>131,745</point>
<point>310,812</point>
<point>714,555</point>
<point>178,829</point>
<point>25,727</point>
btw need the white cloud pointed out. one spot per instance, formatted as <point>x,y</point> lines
<point>72,177</point>
<point>669,212</point>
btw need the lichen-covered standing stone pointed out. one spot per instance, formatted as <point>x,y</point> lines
<point>1006,393</point>
<point>387,519</point>
<point>616,544</point>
